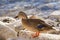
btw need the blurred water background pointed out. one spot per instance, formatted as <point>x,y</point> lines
<point>38,7</point>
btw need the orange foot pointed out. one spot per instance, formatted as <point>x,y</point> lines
<point>35,35</point>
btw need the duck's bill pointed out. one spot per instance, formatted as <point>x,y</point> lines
<point>16,17</point>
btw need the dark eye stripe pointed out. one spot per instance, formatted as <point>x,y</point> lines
<point>40,26</point>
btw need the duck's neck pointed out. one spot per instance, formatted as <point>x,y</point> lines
<point>25,18</point>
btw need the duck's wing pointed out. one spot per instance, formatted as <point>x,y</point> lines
<point>39,23</point>
<point>35,20</point>
<point>43,27</point>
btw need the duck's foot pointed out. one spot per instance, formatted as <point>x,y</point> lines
<point>35,34</point>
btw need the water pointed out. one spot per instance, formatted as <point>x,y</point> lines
<point>11,7</point>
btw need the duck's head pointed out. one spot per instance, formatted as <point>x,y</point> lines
<point>21,15</point>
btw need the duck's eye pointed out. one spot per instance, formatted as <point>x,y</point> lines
<point>40,26</point>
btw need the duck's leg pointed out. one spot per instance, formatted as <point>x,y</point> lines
<point>17,34</point>
<point>35,34</point>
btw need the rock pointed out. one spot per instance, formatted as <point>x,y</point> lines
<point>6,32</point>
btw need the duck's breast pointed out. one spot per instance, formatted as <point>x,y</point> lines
<point>30,25</point>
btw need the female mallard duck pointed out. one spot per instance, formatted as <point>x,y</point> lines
<point>35,25</point>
